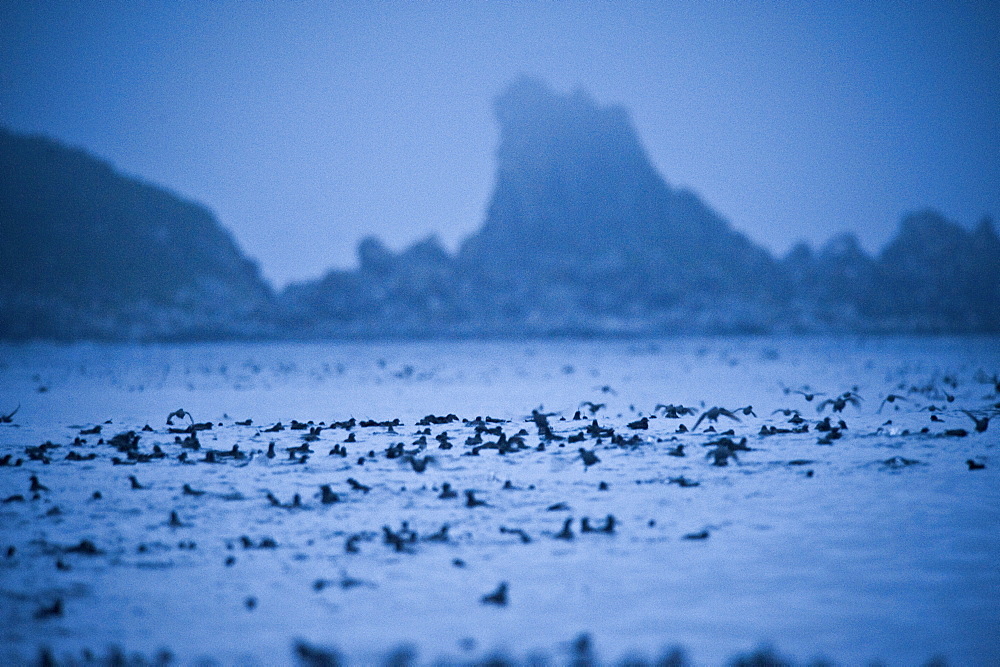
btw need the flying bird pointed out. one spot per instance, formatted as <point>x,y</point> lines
<point>891,398</point>
<point>713,414</point>
<point>982,423</point>
<point>840,402</point>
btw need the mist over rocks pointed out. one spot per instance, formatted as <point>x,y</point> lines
<point>87,252</point>
<point>935,276</point>
<point>582,237</point>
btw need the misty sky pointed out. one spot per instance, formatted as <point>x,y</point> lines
<point>307,125</point>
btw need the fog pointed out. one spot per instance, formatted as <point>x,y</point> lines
<point>307,126</point>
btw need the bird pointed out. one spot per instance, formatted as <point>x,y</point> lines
<point>188,491</point>
<point>676,451</point>
<point>180,413</point>
<point>447,491</point>
<point>497,597</point>
<point>135,483</point>
<point>589,457</point>
<point>524,537</point>
<point>472,501</point>
<point>807,393</point>
<point>592,407</point>
<point>329,497</point>
<point>671,411</point>
<point>748,411</point>
<point>713,414</point>
<point>358,486</point>
<point>891,398</point>
<point>9,417</point>
<point>36,485</point>
<point>702,535</point>
<point>52,611</point>
<point>838,404</point>
<point>566,533</point>
<point>982,423</point>
<point>975,465</point>
<point>721,455</point>
<point>418,465</point>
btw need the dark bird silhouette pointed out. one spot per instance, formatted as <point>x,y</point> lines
<point>676,451</point>
<point>671,411</point>
<point>721,455</point>
<point>702,535</point>
<point>567,532</point>
<point>175,521</point>
<point>838,404</point>
<point>975,465</point>
<point>9,417</point>
<point>418,465</point>
<point>682,481</point>
<point>807,393</point>
<point>589,458</point>
<point>891,398</point>
<point>188,491</point>
<point>36,485</point>
<point>358,486</point>
<point>592,407</point>
<point>497,597</point>
<point>607,527</point>
<point>180,413</point>
<point>440,536</point>
<point>54,610</point>
<point>351,545</point>
<point>472,501</point>
<point>713,414</point>
<point>523,536</point>
<point>135,483</point>
<point>982,423</point>
<point>328,496</point>
<point>747,411</point>
<point>447,491</point>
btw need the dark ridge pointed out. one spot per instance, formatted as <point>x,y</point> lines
<point>582,238</point>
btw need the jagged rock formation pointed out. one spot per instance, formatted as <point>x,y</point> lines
<point>582,236</point>
<point>937,276</point>
<point>579,204</point>
<point>934,276</point>
<point>86,252</point>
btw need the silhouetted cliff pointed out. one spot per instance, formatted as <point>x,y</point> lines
<point>88,252</point>
<point>582,236</point>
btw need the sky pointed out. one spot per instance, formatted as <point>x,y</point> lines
<point>306,126</point>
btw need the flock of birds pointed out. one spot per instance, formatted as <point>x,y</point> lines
<point>582,438</point>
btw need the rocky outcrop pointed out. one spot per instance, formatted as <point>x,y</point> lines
<point>582,236</point>
<point>87,252</point>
